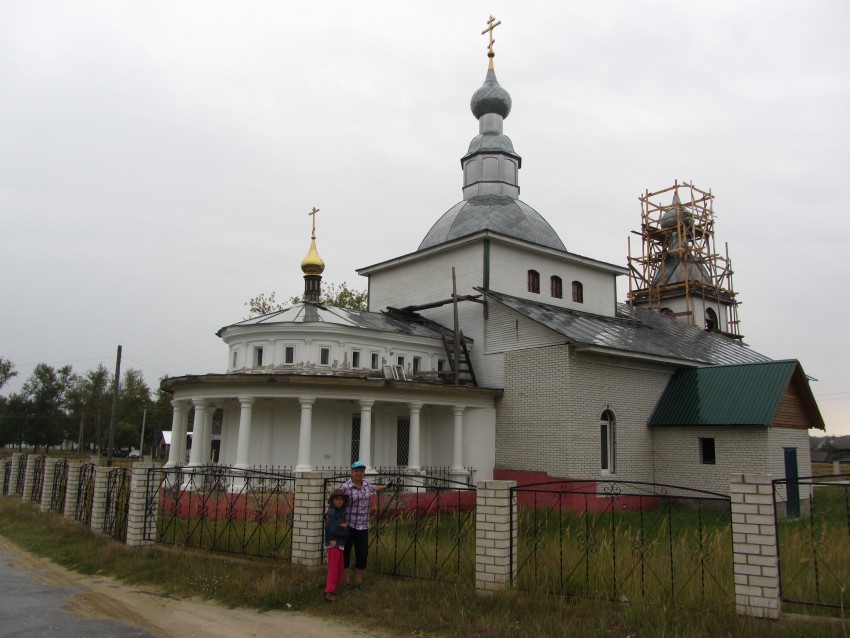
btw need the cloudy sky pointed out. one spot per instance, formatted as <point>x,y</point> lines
<point>158,159</point>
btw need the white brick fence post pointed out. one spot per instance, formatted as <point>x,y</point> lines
<point>755,553</point>
<point>308,524</point>
<point>71,489</point>
<point>495,538</point>
<point>47,483</point>
<point>29,475</point>
<point>144,484</point>
<point>98,508</point>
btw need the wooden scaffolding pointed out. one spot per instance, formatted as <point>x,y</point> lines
<point>678,258</point>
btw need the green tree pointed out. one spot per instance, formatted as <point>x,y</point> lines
<point>17,410</point>
<point>127,434</point>
<point>340,296</point>
<point>7,371</point>
<point>95,406</point>
<point>46,390</point>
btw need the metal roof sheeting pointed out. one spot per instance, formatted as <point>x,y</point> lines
<point>634,330</point>
<point>725,395</point>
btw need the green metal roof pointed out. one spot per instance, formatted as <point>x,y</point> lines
<point>743,394</point>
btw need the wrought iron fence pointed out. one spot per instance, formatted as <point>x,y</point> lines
<point>85,494</point>
<point>117,503</point>
<point>60,484</point>
<point>624,541</point>
<point>22,472</point>
<point>221,509</point>
<point>419,526</point>
<point>37,488</point>
<point>813,539</point>
<point>7,477</point>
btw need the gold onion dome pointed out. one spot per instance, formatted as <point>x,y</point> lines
<point>312,264</point>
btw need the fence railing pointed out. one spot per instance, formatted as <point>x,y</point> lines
<point>60,484</point>
<point>221,509</point>
<point>7,478</point>
<point>419,526</point>
<point>85,494</point>
<point>813,540</point>
<point>22,471</point>
<point>624,541</point>
<point>37,478</point>
<point>117,503</point>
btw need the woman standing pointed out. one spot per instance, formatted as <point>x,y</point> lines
<point>359,492</point>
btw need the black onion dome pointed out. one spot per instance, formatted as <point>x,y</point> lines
<point>498,213</point>
<point>490,98</point>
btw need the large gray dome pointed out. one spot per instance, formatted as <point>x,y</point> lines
<point>499,213</point>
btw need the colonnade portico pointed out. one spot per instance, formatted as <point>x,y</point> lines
<point>241,433</point>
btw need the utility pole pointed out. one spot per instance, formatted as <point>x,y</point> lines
<point>114,416</point>
<point>142,439</point>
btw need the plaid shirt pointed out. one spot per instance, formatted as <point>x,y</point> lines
<point>357,510</point>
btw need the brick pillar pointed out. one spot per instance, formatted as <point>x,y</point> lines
<point>98,508</point>
<point>308,524</point>
<point>71,488</point>
<point>495,538</point>
<point>143,485</point>
<point>29,475</point>
<point>47,483</point>
<point>755,553</point>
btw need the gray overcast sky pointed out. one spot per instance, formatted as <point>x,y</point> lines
<point>158,159</point>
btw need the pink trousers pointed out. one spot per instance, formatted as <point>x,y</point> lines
<point>335,568</point>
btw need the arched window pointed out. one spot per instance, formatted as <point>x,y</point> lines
<point>534,281</point>
<point>710,319</point>
<point>578,292</point>
<point>557,287</point>
<point>607,442</point>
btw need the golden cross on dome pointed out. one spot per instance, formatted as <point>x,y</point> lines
<point>492,23</point>
<point>313,213</point>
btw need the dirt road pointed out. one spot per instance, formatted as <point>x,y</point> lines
<point>162,615</point>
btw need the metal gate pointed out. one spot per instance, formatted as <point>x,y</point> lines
<point>624,541</point>
<point>22,471</point>
<point>38,479</point>
<point>60,484</point>
<point>85,494</point>
<point>813,540</point>
<point>117,503</point>
<point>420,526</point>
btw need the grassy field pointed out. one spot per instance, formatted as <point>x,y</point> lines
<point>403,607</point>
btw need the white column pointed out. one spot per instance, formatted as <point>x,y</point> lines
<point>196,456</point>
<point>457,446</point>
<point>243,445</point>
<point>178,435</point>
<point>303,464</point>
<point>366,431</point>
<point>208,428</point>
<point>413,460</point>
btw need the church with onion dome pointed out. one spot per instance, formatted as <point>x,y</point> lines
<point>492,351</point>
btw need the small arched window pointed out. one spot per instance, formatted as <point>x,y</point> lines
<point>606,442</point>
<point>578,292</point>
<point>557,287</point>
<point>710,319</point>
<point>534,281</point>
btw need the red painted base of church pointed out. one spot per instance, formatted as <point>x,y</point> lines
<point>572,495</point>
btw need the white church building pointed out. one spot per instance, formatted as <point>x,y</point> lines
<point>492,351</point>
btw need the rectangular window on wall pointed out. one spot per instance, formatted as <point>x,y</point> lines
<point>355,438</point>
<point>258,356</point>
<point>355,358</point>
<point>604,444</point>
<point>235,359</point>
<point>402,441</point>
<point>289,355</point>
<point>400,361</point>
<point>417,363</point>
<point>441,365</point>
<point>374,361</point>
<point>706,451</point>
<point>324,356</point>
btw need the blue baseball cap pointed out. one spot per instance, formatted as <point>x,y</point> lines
<point>357,464</point>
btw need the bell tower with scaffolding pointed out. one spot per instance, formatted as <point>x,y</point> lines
<point>679,272</point>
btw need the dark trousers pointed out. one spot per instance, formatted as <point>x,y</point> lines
<point>359,540</point>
